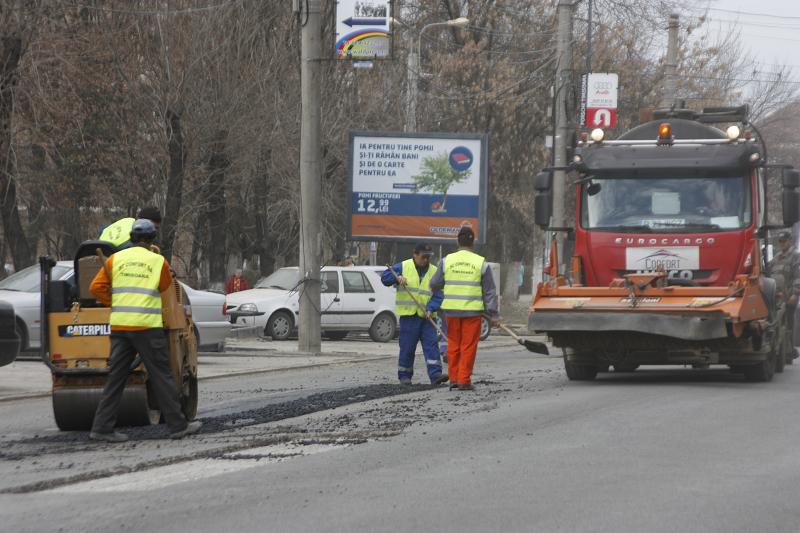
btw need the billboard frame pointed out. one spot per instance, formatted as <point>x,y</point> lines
<point>483,184</point>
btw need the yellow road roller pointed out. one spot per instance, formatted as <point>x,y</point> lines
<point>76,346</point>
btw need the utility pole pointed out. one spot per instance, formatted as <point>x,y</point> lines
<point>310,183</point>
<point>566,13</point>
<point>589,38</point>
<point>671,64</point>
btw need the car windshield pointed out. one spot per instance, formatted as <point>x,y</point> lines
<point>29,279</point>
<point>666,205</point>
<point>284,278</point>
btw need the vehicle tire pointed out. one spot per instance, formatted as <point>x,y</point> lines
<point>279,326</point>
<point>486,328</point>
<point>625,367</point>
<point>579,372</point>
<point>383,328</point>
<point>336,335</point>
<point>762,371</point>
<point>22,331</point>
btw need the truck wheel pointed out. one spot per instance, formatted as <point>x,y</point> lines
<point>625,367</point>
<point>762,371</point>
<point>579,372</point>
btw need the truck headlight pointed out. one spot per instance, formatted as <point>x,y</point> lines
<point>247,309</point>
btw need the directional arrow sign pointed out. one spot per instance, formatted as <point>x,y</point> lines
<point>599,117</point>
<point>354,21</point>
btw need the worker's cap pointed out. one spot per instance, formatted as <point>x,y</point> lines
<point>143,228</point>
<point>784,236</point>
<point>423,248</point>
<point>465,234</point>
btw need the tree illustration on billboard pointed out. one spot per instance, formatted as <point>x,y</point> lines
<point>437,176</point>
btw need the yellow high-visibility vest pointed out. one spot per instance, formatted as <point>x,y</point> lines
<point>135,298</point>
<point>420,288</point>
<point>119,232</point>
<point>462,281</point>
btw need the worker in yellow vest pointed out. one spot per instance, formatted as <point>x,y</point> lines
<point>413,276</point>
<point>469,292</point>
<point>138,277</point>
<point>118,233</point>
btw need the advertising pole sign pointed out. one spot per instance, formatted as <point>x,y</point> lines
<point>416,186</point>
<point>363,29</point>
<point>599,100</point>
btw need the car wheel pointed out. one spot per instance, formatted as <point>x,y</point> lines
<point>336,335</point>
<point>383,328</point>
<point>279,326</point>
<point>486,328</point>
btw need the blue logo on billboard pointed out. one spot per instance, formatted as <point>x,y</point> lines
<point>460,158</point>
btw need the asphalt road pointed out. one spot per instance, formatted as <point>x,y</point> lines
<point>656,450</point>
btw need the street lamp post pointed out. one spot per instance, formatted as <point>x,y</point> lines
<point>412,68</point>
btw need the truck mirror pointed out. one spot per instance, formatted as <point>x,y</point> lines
<point>791,179</point>
<point>543,182</point>
<point>543,208</point>
<point>791,207</point>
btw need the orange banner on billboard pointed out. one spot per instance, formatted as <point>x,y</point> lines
<point>412,226</point>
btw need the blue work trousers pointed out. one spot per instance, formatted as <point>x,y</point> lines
<point>415,329</point>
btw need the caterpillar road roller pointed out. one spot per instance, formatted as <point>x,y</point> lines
<point>76,347</point>
<point>666,265</point>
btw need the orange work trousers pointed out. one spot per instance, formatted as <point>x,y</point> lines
<point>463,334</point>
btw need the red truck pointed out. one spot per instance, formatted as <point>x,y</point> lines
<point>669,233</point>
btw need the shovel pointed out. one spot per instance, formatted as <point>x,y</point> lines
<point>432,321</point>
<point>531,346</point>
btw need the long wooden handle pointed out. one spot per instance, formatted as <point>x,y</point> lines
<point>103,259</point>
<point>431,320</point>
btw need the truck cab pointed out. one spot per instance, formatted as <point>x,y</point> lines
<point>667,264</point>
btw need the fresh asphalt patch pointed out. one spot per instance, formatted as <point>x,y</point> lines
<point>216,424</point>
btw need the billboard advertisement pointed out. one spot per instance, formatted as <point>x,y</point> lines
<point>417,186</point>
<point>363,29</point>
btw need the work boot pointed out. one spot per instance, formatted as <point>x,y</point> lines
<point>405,381</point>
<point>466,386</point>
<point>113,436</point>
<point>443,378</point>
<point>190,429</point>
<point>453,385</point>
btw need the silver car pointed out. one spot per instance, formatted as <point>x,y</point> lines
<point>22,291</point>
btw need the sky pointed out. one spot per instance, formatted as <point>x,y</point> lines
<point>771,28</point>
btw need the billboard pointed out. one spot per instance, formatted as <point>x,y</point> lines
<point>417,186</point>
<point>599,100</point>
<point>363,29</point>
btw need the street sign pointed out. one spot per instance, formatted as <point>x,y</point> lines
<point>599,100</point>
<point>363,29</point>
<point>414,186</point>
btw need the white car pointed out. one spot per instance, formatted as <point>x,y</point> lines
<point>22,290</point>
<point>352,299</point>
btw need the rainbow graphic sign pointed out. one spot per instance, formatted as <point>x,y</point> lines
<point>363,29</point>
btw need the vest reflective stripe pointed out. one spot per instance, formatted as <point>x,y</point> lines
<point>404,305</point>
<point>119,232</point>
<point>462,281</point>
<point>135,299</point>
<point>135,290</point>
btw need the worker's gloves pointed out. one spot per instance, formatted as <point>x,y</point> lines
<point>401,280</point>
<point>793,300</point>
<point>496,322</point>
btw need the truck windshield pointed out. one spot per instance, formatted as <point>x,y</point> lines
<point>666,205</point>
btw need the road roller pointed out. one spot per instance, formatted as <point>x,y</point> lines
<point>76,346</point>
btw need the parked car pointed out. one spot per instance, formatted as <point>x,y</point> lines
<point>352,299</point>
<point>23,291</point>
